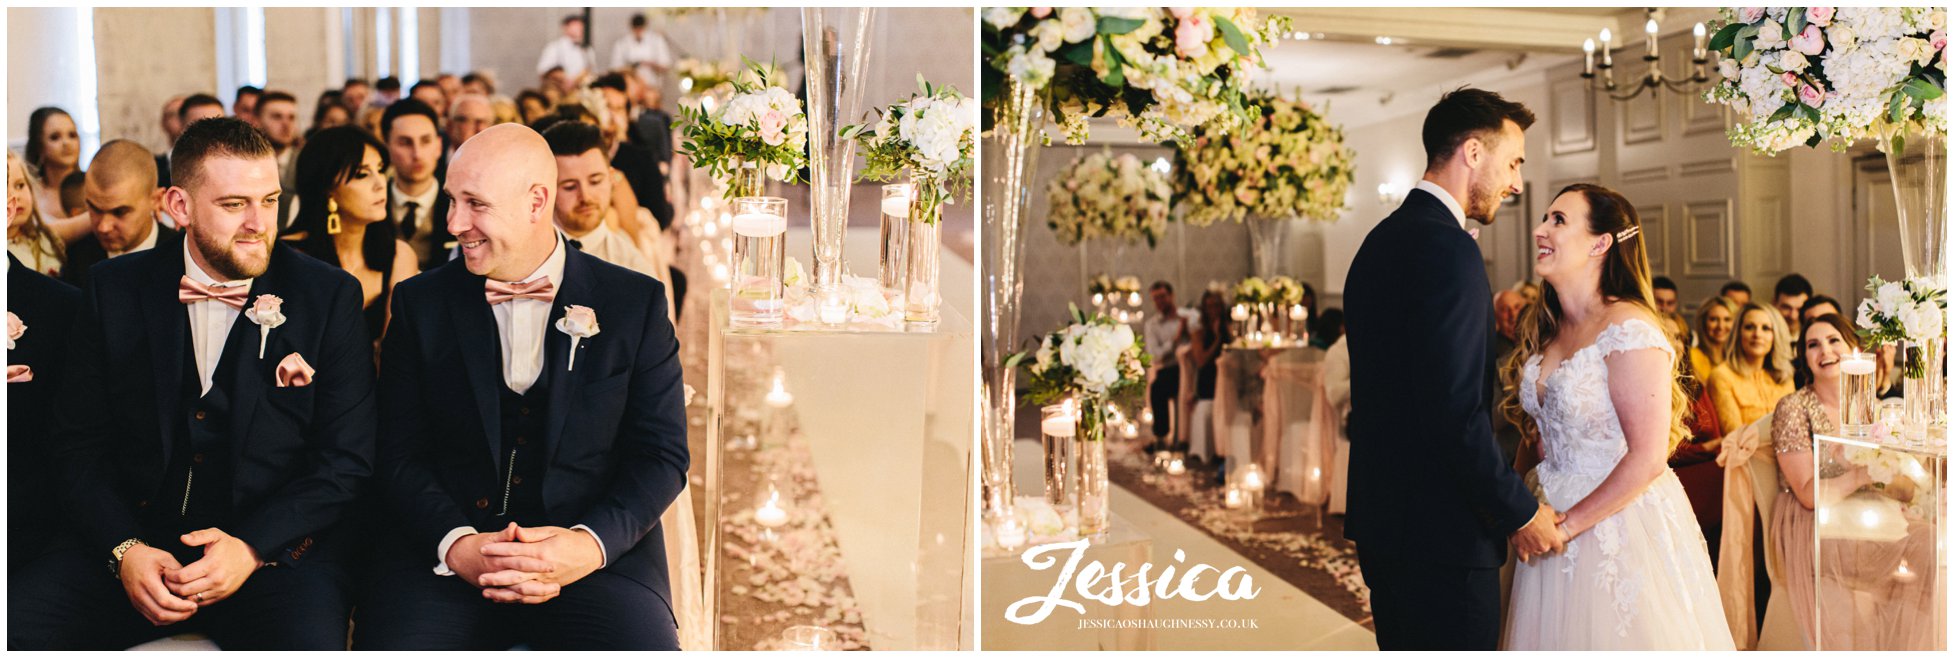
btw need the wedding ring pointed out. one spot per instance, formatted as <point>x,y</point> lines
<point>200,597</point>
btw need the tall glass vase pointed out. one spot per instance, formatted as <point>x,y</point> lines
<point>1010,162</point>
<point>1265,241</point>
<point>1919,168</point>
<point>922,295</point>
<point>1094,484</point>
<point>747,179</point>
<point>836,43</point>
<point>1924,387</point>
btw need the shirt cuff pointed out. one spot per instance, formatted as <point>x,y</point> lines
<point>441,552</point>
<point>601,551</point>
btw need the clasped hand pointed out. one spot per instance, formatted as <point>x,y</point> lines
<point>1540,536</point>
<point>166,592</point>
<point>525,565</point>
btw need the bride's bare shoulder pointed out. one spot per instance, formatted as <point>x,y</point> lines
<point>1621,311</point>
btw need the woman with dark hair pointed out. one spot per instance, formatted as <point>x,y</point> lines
<point>532,105</point>
<point>54,151</point>
<point>342,216</point>
<point>1592,383</point>
<point>1854,568</point>
<point>329,112</point>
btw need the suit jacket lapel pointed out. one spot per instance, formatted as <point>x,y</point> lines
<point>481,356</point>
<point>248,372</point>
<point>164,321</point>
<point>564,383</point>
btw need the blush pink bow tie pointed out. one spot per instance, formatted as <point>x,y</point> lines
<point>189,291</point>
<point>539,289</point>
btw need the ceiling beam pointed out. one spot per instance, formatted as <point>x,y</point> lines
<point>1483,28</point>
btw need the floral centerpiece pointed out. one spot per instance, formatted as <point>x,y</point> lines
<point>1804,75</point>
<point>930,138</point>
<point>1101,195</point>
<point>1912,313</point>
<point>1161,70</point>
<point>761,128</point>
<point>1253,290</point>
<point>1289,161</point>
<point>1092,362</point>
<point>1102,284</point>
<point>1285,291</point>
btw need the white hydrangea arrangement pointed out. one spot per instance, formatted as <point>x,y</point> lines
<point>930,138</point>
<point>1101,195</point>
<point>761,123</point>
<point>1254,290</point>
<point>1186,63</point>
<point>1798,76</point>
<point>1288,162</point>
<point>1094,360</point>
<point>1912,311</point>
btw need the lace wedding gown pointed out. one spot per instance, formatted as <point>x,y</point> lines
<point>1640,579</point>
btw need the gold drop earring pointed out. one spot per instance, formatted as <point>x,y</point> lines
<point>332,217</point>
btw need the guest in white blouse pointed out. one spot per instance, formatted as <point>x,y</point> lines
<point>568,53</point>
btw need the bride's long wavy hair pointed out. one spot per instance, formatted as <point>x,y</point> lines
<point>1624,278</point>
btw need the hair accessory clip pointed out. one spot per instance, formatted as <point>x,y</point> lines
<point>1627,233</point>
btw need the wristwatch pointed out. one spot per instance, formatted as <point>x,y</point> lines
<point>115,556</point>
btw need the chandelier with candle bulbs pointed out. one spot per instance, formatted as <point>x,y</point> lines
<point>1654,77</point>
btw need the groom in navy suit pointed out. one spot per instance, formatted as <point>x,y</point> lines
<point>213,424</point>
<point>1432,502</point>
<point>533,433</point>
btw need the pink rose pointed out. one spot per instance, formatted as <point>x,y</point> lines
<point>267,304</point>
<point>1789,79</point>
<point>773,127</point>
<point>1820,16</point>
<point>1749,14</point>
<point>1810,42</point>
<point>14,329</point>
<point>1181,12</point>
<point>1939,39</point>
<point>1041,12</point>
<point>1810,95</point>
<point>1191,36</point>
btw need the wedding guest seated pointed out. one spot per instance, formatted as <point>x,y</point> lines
<point>354,94</point>
<point>342,217</point>
<point>40,311</point>
<point>28,238</point>
<point>1815,306</point>
<point>386,91</point>
<point>1665,294</point>
<point>244,105</point>
<point>412,133</point>
<point>1326,329</point>
<point>122,200</point>
<point>199,107</point>
<point>1716,319</point>
<point>328,113</point>
<point>428,91</point>
<point>1210,335</point>
<point>1756,369</point>
<point>1165,332</point>
<point>478,82</point>
<point>1737,292</point>
<point>637,162</point>
<point>532,106</point>
<point>1507,305</point>
<point>1695,458</point>
<point>449,84</point>
<point>172,125</point>
<point>468,115</point>
<point>1788,296</point>
<point>71,204</point>
<point>526,457</point>
<point>1864,606</point>
<point>207,461</point>
<point>583,197</point>
<point>54,151</point>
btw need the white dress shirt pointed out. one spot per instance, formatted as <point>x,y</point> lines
<point>572,56</point>
<point>1445,197</point>
<point>146,244</point>
<point>523,325</point>
<point>1163,335</point>
<point>210,321</point>
<point>605,243</point>
<point>639,53</point>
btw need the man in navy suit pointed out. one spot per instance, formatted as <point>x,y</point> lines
<point>1432,502</point>
<point>42,309</point>
<point>525,455</point>
<point>213,425</point>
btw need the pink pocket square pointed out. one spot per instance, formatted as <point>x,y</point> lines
<point>294,371</point>
<point>19,374</point>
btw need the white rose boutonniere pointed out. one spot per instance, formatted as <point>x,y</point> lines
<point>266,312</point>
<point>579,322</point>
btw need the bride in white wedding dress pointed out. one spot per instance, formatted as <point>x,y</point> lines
<point>1596,382</point>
